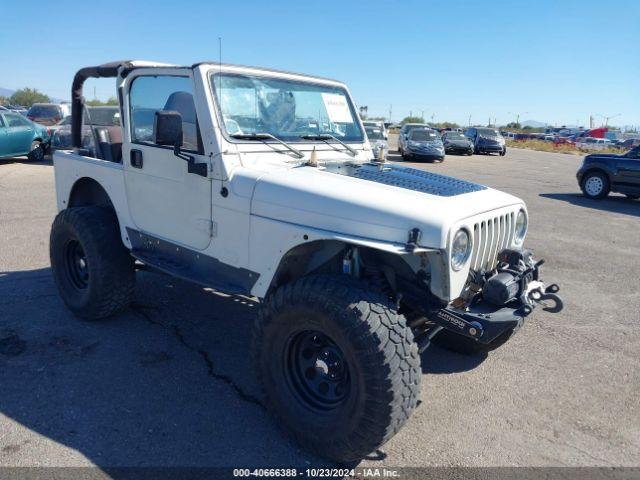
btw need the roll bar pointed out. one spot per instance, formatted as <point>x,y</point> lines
<point>106,70</point>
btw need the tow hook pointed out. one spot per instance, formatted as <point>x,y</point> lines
<point>547,298</point>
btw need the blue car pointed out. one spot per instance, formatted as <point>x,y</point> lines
<point>20,136</point>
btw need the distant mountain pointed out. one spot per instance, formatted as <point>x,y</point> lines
<point>534,124</point>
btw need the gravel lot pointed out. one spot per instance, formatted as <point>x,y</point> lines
<point>169,382</point>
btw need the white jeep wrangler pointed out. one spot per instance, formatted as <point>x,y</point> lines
<point>262,183</point>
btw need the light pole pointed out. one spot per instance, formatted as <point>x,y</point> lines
<point>518,116</point>
<point>607,118</point>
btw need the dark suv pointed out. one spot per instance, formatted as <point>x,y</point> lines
<point>602,173</point>
<point>486,140</point>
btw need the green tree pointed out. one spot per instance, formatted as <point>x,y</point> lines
<point>27,97</point>
<point>112,101</point>
<point>513,125</point>
<point>412,120</point>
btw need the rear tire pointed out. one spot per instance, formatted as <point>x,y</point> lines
<point>337,364</point>
<point>92,268</point>
<point>36,152</point>
<point>468,346</point>
<point>595,185</point>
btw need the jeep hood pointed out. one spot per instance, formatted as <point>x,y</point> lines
<point>375,203</point>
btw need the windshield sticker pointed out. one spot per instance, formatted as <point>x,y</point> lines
<point>337,108</point>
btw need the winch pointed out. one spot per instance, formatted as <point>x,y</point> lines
<point>517,279</point>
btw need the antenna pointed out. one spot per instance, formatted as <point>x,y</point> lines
<point>220,70</point>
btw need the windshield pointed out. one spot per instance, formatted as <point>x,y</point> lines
<point>489,132</point>
<point>374,133</point>
<point>44,111</point>
<point>286,109</point>
<point>423,136</point>
<point>455,136</point>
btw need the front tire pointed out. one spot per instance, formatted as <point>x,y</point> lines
<point>595,185</point>
<point>36,152</point>
<point>93,270</point>
<point>337,364</point>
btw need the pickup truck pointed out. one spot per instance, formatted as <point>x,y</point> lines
<point>261,182</point>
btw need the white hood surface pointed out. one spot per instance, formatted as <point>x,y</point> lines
<point>370,202</point>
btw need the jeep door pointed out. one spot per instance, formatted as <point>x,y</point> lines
<point>165,200</point>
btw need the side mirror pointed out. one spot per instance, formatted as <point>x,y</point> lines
<point>167,129</point>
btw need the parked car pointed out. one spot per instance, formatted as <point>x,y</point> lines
<point>601,173</point>
<point>423,144</point>
<point>486,140</point>
<point>16,108</point>
<point>404,134</point>
<point>627,144</point>
<point>339,253</point>
<point>377,124</point>
<point>47,113</point>
<point>93,117</point>
<point>455,142</point>
<point>20,136</point>
<point>379,145</point>
<point>590,143</point>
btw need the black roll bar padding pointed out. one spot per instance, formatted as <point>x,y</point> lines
<point>106,70</point>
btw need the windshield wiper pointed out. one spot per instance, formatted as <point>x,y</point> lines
<point>267,136</point>
<point>326,136</point>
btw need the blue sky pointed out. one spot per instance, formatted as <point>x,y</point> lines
<point>560,61</point>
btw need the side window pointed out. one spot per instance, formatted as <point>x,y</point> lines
<point>151,94</point>
<point>14,121</point>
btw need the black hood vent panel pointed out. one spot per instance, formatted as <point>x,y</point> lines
<point>417,180</point>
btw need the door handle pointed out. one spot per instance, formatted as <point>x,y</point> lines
<point>135,157</point>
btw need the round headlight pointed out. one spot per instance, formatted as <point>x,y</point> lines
<point>460,250</point>
<point>521,227</point>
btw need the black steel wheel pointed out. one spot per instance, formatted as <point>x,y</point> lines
<point>93,270</point>
<point>337,365</point>
<point>75,265</point>
<point>316,370</point>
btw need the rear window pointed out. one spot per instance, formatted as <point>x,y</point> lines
<point>103,116</point>
<point>423,136</point>
<point>374,133</point>
<point>44,111</point>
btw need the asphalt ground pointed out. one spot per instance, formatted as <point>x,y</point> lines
<point>169,382</point>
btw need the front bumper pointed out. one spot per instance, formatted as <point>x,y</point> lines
<point>484,321</point>
<point>483,147</point>
<point>458,148</point>
<point>425,155</point>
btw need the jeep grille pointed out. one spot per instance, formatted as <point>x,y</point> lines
<point>490,236</point>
